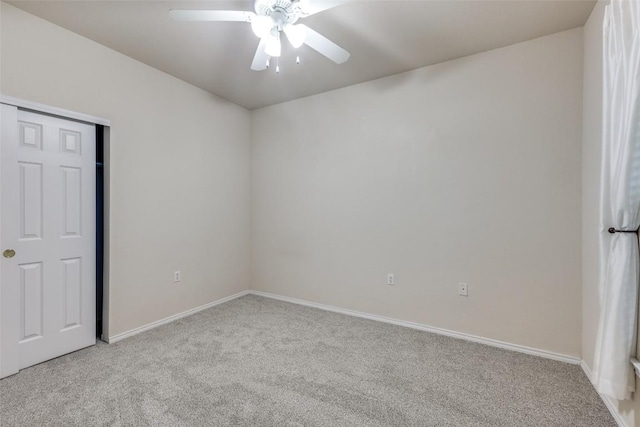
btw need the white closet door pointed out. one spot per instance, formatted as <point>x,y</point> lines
<point>47,215</point>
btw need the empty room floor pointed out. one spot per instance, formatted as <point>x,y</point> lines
<point>261,362</point>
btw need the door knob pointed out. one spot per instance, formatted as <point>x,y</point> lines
<point>9,253</point>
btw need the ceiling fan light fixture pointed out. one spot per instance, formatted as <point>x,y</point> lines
<point>270,20</point>
<point>261,26</point>
<point>296,34</point>
<point>273,46</point>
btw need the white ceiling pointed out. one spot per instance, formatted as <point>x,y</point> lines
<point>384,38</point>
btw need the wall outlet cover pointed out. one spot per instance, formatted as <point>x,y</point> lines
<point>463,289</point>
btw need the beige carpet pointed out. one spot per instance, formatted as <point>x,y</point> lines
<point>260,362</point>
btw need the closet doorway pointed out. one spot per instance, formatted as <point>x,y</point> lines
<point>51,236</point>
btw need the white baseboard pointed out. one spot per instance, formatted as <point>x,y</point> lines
<point>473,338</point>
<point>606,399</point>
<point>132,332</point>
<point>422,327</point>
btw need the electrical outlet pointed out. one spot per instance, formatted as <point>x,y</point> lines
<point>391,280</point>
<point>177,276</point>
<point>463,289</point>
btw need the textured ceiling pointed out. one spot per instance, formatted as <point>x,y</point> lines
<point>384,38</point>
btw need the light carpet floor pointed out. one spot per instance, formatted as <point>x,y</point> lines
<point>260,362</point>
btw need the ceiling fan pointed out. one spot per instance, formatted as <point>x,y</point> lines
<point>270,20</point>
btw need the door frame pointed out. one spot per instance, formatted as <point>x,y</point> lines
<point>9,365</point>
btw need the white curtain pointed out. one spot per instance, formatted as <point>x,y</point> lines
<point>620,203</point>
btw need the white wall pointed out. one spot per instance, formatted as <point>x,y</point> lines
<point>179,167</point>
<point>629,411</point>
<point>463,171</point>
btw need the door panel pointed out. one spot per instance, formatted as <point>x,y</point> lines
<point>47,172</point>
<point>31,303</point>
<point>30,192</point>
<point>72,286</point>
<point>71,205</point>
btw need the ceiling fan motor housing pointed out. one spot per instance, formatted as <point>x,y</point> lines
<point>281,11</point>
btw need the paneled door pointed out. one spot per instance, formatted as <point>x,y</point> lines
<point>47,238</point>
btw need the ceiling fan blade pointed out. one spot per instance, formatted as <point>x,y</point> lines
<point>325,46</point>
<point>311,7</point>
<point>212,15</point>
<point>261,58</point>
